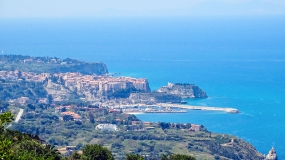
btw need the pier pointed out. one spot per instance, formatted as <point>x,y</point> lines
<point>131,111</point>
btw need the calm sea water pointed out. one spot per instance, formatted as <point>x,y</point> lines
<point>239,62</point>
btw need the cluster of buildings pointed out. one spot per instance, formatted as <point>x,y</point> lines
<point>19,75</point>
<point>195,127</point>
<point>27,100</point>
<point>105,125</point>
<point>48,60</point>
<point>102,84</point>
<point>75,116</point>
<point>66,110</point>
<point>74,80</point>
<point>88,86</point>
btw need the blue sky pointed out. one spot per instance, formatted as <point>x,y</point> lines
<point>122,8</point>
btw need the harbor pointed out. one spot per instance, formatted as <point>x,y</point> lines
<point>153,110</point>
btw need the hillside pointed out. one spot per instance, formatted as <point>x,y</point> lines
<point>15,145</point>
<point>50,65</point>
<point>77,125</point>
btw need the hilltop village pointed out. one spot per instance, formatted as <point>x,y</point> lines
<point>89,87</point>
<point>69,79</point>
<point>94,88</point>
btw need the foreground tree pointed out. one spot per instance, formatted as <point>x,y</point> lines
<point>96,152</point>
<point>5,119</point>
<point>29,149</point>
<point>17,146</point>
<point>5,149</point>
<point>74,156</point>
<point>5,144</point>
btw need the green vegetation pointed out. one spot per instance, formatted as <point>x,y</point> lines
<point>16,145</point>
<point>133,137</point>
<point>49,65</point>
<point>17,89</point>
<point>177,157</point>
<point>5,119</point>
<point>152,140</point>
<point>134,157</point>
<point>96,152</point>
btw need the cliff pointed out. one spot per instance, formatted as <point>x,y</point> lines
<point>183,90</point>
<point>58,92</point>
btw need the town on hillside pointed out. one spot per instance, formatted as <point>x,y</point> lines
<point>70,109</point>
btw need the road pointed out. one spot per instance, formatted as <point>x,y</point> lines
<point>19,115</point>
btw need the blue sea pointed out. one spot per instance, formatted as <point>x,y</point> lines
<point>238,61</point>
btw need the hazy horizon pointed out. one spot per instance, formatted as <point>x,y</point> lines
<point>234,49</point>
<point>139,8</point>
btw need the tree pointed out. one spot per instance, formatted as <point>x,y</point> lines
<point>5,149</point>
<point>29,149</point>
<point>97,152</point>
<point>63,109</point>
<point>164,125</point>
<point>31,106</point>
<point>74,156</point>
<point>78,146</point>
<point>16,145</point>
<point>67,118</point>
<point>50,151</point>
<point>50,99</point>
<point>91,117</point>
<point>134,157</point>
<point>5,119</point>
<point>19,74</point>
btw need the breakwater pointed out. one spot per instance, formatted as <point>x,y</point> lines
<point>131,111</point>
<point>189,107</point>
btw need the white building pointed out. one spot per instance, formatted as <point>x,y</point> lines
<point>107,127</point>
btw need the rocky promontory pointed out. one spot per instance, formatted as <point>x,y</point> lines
<point>271,155</point>
<point>172,93</point>
<point>183,90</point>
